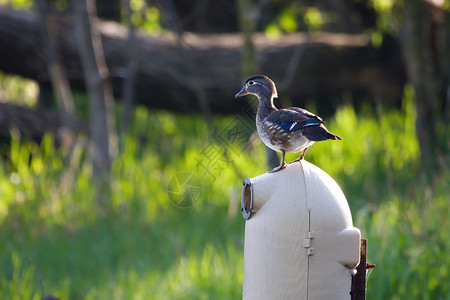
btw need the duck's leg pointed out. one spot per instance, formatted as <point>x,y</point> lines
<point>282,163</point>
<point>301,156</point>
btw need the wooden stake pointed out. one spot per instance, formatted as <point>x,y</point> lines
<point>359,279</point>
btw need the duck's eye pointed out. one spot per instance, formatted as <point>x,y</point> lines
<point>250,83</point>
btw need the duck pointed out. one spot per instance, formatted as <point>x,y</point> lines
<point>287,130</point>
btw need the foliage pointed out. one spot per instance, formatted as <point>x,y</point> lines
<point>18,90</point>
<point>385,10</point>
<point>407,241</point>
<point>57,241</point>
<point>376,152</point>
<point>141,246</point>
<point>295,17</point>
<point>145,17</point>
<point>18,4</point>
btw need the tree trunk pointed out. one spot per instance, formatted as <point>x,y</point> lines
<point>56,71</point>
<point>420,53</point>
<point>98,86</point>
<point>249,65</point>
<point>130,78</point>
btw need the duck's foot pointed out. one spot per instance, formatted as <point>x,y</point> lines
<point>294,161</point>
<point>280,167</point>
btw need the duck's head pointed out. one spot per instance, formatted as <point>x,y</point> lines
<point>261,86</point>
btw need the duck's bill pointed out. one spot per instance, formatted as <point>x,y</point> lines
<point>241,93</point>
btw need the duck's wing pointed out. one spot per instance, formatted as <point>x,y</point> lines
<point>294,118</point>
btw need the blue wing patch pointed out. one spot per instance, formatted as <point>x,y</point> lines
<point>287,125</point>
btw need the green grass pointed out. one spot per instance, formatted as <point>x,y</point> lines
<point>56,240</point>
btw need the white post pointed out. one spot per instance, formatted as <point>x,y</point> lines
<point>299,239</point>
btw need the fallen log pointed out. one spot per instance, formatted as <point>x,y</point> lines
<point>202,72</point>
<point>32,123</point>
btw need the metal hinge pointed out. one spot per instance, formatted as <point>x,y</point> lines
<point>307,242</point>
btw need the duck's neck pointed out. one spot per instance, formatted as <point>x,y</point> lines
<point>265,107</point>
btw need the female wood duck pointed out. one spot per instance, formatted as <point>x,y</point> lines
<point>284,130</point>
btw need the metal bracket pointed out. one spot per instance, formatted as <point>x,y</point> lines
<point>247,198</point>
<point>307,242</point>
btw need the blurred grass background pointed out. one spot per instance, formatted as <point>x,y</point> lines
<point>55,240</point>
